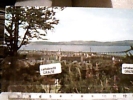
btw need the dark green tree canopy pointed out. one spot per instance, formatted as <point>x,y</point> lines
<point>31,19</point>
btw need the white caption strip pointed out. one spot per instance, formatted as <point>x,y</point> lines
<point>53,96</point>
<point>127,68</point>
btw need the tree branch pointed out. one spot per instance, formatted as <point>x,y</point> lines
<point>8,46</point>
<point>24,38</point>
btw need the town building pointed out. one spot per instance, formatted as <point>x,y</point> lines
<point>72,58</point>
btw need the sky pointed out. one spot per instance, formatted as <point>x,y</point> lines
<point>93,24</point>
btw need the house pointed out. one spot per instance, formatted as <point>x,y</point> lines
<point>72,58</point>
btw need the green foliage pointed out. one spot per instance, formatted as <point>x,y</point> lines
<point>101,75</point>
<point>32,20</point>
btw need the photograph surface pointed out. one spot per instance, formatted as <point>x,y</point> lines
<point>67,50</point>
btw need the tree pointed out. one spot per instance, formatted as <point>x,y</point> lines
<point>32,20</point>
<point>2,17</point>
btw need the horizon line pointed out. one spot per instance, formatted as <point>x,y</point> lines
<point>79,40</point>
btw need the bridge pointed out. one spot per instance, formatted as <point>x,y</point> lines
<point>116,52</point>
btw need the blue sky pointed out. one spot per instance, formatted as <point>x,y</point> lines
<point>93,24</point>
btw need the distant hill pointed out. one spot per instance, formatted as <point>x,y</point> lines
<point>89,43</point>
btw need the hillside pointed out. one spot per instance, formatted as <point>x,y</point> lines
<point>89,43</point>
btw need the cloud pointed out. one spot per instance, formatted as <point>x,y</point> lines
<point>100,24</point>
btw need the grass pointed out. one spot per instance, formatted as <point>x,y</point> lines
<point>101,76</point>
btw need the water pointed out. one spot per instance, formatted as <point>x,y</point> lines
<point>76,48</point>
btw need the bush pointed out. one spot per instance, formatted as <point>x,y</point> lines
<point>99,75</point>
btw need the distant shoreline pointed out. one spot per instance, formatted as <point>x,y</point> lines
<point>88,43</point>
<point>65,52</point>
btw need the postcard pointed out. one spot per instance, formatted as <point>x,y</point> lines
<point>74,52</point>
